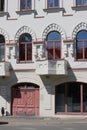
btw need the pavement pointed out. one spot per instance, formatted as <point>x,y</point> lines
<point>29,120</point>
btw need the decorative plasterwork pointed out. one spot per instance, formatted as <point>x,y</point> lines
<point>53,27</point>
<point>24,29</point>
<point>79,27</point>
<point>4,33</point>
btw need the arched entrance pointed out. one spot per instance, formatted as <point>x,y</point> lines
<point>71,98</point>
<point>25,99</point>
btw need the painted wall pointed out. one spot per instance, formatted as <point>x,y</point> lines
<point>68,21</point>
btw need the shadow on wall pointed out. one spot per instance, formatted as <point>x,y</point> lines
<point>50,81</point>
<point>5,91</point>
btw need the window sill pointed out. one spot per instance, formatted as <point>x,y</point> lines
<point>53,9</point>
<point>2,13</point>
<point>24,62</point>
<point>80,7</point>
<point>25,12</point>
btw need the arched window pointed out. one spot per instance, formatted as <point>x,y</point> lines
<point>25,47</point>
<point>81,2</point>
<point>2,48</point>
<point>53,45</point>
<point>81,45</point>
<point>53,3</point>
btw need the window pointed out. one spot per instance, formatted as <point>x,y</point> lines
<point>2,47</point>
<point>81,2</point>
<point>1,5</point>
<point>53,45</point>
<point>25,4</point>
<point>25,47</point>
<point>53,3</point>
<point>81,45</point>
<point>68,98</point>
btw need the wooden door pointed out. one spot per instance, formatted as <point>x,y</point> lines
<point>25,101</point>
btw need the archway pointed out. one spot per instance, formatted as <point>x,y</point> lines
<point>71,98</point>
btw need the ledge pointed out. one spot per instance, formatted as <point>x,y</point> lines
<point>49,10</point>
<point>2,13</point>
<point>69,40</point>
<point>79,7</point>
<point>38,42</point>
<point>21,12</point>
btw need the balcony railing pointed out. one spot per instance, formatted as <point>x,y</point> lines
<point>51,67</point>
<point>4,68</point>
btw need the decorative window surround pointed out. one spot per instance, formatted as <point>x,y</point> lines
<point>54,27</point>
<point>24,29</point>
<point>79,27</point>
<point>4,33</point>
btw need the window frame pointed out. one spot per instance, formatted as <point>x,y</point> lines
<point>3,45</point>
<point>25,49</point>
<point>53,47</point>
<point>53,4</point>
<point>26,5</point>
<point>82,50</point>
<point>82,3</point>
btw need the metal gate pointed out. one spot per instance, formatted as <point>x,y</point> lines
<point>25,101</point>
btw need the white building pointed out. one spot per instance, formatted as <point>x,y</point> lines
<point>43,57</point>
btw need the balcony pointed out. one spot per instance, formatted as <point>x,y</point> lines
<point>52,67</point>
<point>4,69</point>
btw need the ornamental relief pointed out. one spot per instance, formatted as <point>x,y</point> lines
<point>79,27</point>
<point>4,33</point>
<point>24,29</point>
<point>54,27</point>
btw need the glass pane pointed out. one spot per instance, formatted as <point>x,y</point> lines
<point>22,52</point>
<point>29,51</point>
<point>50,3</point>
<point>79,2</point>
<point>25,38</point>
<point>23,4</point>
<point>79,50</point>
<point>85,49</point>
<point>85,2</point>
<point>60,99</point>
<point>54,36</point>
<point>57,50</point>
<point>73,97</point>
<point>50,50</point>
<point>84,97</point>
<point>82,35</point>
<point>1,5</point>
<point>81,45</point>
<point>1,53</point>
<point>29,4</point>
<point>56,3</point>
<point>2,40</point>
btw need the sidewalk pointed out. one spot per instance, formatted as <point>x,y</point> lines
<point>29,120</point>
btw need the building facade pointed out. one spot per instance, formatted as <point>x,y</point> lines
<point>43,57</point>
